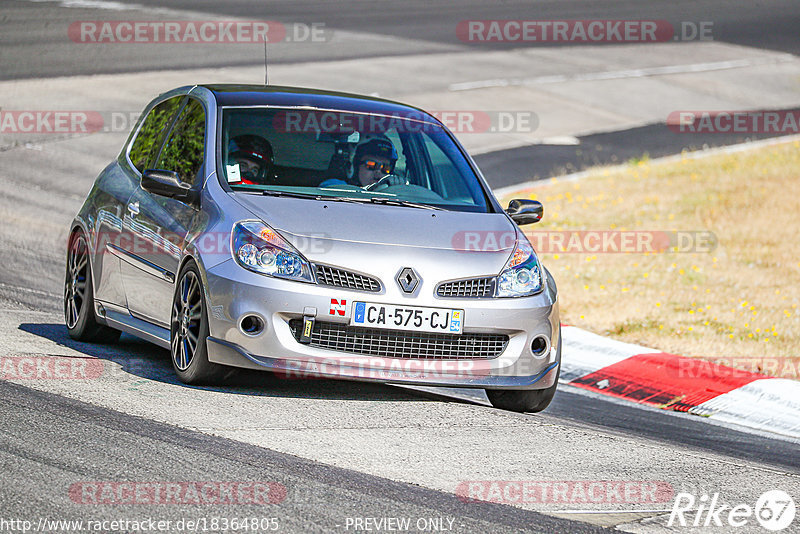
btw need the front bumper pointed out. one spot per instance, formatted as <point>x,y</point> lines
<point>234,292</point>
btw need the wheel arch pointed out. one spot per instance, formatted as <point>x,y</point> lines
<point>190,255</point>
<point>79,225</point>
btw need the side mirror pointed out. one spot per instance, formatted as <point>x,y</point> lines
<point>524,211</point>
<point>165,183</point>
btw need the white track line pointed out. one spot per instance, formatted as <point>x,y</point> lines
<point>104,4</point>
<point>627,73</point>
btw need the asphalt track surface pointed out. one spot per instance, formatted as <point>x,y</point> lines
<point>47,441</point>
<point>503,167</point>
<point>38,45</point>
<point>35,43</point>
<point>571,405</point>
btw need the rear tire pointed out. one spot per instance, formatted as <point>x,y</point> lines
<point>528,400</point>
<point>79,314</point>
<point>189,331</point>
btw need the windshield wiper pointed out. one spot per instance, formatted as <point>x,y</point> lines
<point>374,200</point>
<point>406,203</point>
<point>346,199</point>
<point>292,194</point>
<point>273,193</point>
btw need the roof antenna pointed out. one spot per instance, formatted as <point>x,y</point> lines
<point>266,73</point>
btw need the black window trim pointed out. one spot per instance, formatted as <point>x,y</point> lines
<point>139,128</point>
<point>169,130</point>
<point>174,121</point>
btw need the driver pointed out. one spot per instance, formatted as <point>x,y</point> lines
<point>372,161</point>
<point>253,153</point>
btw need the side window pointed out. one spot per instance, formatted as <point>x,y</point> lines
<point>153,129</point>
<point>447,175</point>
<point>184,149</point>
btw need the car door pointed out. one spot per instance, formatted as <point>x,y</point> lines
<point>109,199</point>
<point>116,186</point>
<point>160,224</point>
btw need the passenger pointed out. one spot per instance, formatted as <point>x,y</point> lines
<point>253,153</point>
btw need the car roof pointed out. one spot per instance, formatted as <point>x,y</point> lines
<point>274,95</point>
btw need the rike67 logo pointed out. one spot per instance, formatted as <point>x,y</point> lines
<point>774,510</point>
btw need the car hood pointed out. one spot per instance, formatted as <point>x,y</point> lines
<point>345,233</point>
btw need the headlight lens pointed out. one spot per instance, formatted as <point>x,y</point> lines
<point>522,274</point>
<point>259,248</point>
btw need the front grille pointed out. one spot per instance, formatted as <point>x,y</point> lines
<point>400,344</point>
<point>469,288</point>
<point>331,276</point>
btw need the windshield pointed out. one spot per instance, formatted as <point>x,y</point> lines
<point>354,156</point>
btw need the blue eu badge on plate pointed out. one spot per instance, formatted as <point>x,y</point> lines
<point>359,312</point>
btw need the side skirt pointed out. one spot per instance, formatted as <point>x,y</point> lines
<point>122,320</point>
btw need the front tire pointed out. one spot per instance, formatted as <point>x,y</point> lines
<point>79,315</point>
<point>189,331</point>
<point>529,400</point>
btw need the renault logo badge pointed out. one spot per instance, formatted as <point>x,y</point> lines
<point>408,279</point>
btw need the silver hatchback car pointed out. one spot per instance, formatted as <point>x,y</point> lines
<point>313,233</point>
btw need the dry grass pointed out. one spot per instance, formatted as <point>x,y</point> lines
<point>737,304</point>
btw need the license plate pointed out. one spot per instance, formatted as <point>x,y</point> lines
<point>414,318</point>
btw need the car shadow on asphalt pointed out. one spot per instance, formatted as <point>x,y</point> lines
<point>139,358</point>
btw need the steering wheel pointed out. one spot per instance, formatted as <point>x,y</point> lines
<point>387,181</point>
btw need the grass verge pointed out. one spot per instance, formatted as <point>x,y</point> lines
<point>716,273</point>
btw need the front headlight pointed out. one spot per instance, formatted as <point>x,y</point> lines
<point>522,274</point>
<point>259,248</point>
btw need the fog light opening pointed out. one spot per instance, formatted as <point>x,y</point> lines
<point>539,346</point>
<point>251,325</point>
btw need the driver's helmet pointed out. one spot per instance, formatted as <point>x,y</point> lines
<point>380,147</point>
<point>253,148</point>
